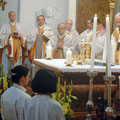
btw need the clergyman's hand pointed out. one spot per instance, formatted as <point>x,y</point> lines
<point>60,45</point>
<point>17,36</point>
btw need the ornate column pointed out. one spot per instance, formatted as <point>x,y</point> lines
<point>112,7</point>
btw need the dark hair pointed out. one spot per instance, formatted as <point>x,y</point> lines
<point>18,72</point>
<point>98,21</point>
<point>45,81</point>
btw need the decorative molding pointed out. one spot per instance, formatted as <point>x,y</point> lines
<point>3,4</point>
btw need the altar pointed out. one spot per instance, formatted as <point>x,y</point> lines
<point>78,75</point>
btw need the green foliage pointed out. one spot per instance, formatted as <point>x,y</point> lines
<point>4,82</point>
<point>65,99</point>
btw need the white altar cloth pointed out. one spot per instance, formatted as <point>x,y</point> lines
<point>60,65</point>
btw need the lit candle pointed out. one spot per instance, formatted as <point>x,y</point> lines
<point>49,51</point>
<point>108,46</point>
<point>69,56</point>
<point>93,43</point>
<point>11,44</point>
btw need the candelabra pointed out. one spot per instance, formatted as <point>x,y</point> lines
<point>109,109</point>
<point>3,4</point>
<point>90,104</point>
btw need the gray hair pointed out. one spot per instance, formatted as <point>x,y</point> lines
<point>117,15</point>
<point>61,24</point>
<point>69,20</point>
<point>11,12</point>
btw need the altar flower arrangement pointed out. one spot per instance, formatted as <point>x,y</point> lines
<point>65,98</point>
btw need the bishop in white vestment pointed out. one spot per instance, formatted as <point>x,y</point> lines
<point>72,33</point>
<point>61,42</point>
<point>41,29</point>
<point>14,30</point>
<point>115,41</point>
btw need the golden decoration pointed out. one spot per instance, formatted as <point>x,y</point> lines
<point>3,4</point>
<point>84,55</point>
<point>112,8</point>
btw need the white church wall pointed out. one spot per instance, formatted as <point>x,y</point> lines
<point>72,11</point>
<point>29,9</point>
<point>11,6</point>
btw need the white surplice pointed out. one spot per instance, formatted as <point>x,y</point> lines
<point>14,102</point>
<point>100,43</point>
<point>85,36</point>
<point>4,35</point>
<point>42,107</point>
<point>75,38</point>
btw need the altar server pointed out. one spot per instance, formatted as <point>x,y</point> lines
<point>100,41</point>
<point>41,106</point>
<point>14,100</point>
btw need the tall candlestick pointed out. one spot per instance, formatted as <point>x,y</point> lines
<point>93,43</point>
<point>49,51</point>
<point>11,44</point>
<point>69,56</point>
<point>108,46</point>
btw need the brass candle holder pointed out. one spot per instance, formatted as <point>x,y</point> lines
<point>69,64</point>
<point>90,104</point>
<point>48,58</point>
<point>109,110</point>
<point>78,58</point>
